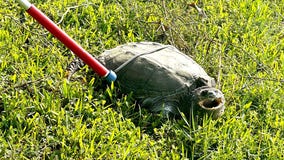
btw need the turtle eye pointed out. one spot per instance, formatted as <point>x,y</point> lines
<point>204,93</point>
<point>200,82</point>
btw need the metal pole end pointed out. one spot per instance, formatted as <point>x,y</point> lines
<point>25,4</point>
<point>111,77</point>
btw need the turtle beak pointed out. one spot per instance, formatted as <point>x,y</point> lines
<point>211,103</point>
<point>213,106</point>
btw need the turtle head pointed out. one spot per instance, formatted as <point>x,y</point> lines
<point>208,100</point>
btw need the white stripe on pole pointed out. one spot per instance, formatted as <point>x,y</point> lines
<point>25,4</point>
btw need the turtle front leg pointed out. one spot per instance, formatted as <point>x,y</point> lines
<point>167,108</point>
<point>73,67</point>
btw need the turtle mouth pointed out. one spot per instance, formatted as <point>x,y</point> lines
<point>210,103</point>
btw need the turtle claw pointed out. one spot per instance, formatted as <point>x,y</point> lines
<point>68,75</point>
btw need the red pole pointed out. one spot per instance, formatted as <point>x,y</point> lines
<point>68,41</point>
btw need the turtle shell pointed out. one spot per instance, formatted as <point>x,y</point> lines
<point>151,69</point>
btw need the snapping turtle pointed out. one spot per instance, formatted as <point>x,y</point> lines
<point>163,79</point>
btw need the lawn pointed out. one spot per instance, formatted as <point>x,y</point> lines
<point>44,116</point>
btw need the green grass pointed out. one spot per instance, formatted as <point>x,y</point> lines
<point>241,44</point>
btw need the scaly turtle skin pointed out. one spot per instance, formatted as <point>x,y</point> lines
<point>163,78</point>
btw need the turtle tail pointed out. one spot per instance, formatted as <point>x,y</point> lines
<point>73,67</point>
